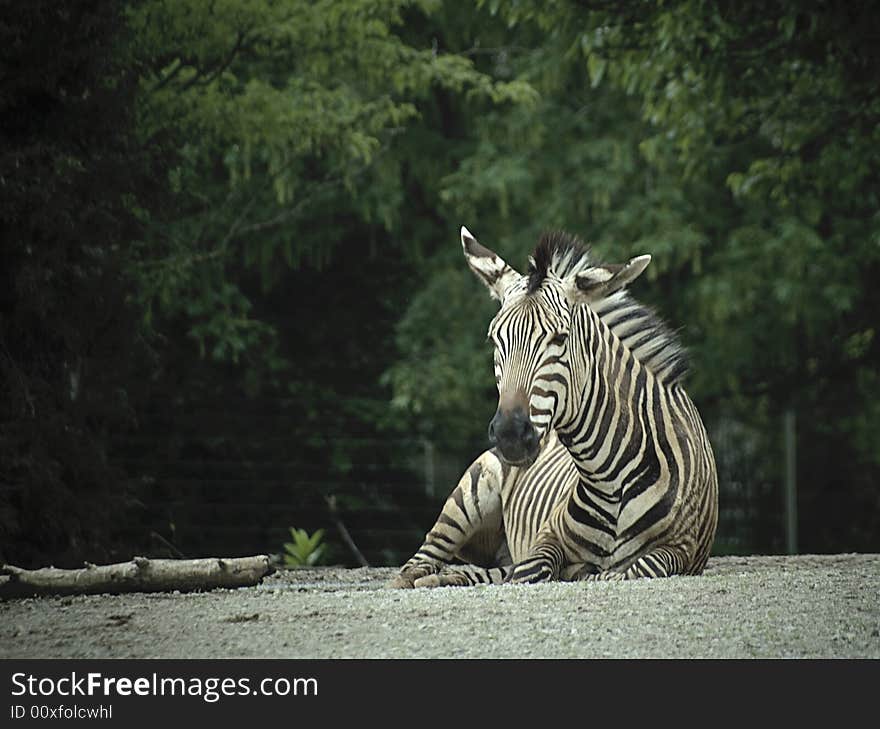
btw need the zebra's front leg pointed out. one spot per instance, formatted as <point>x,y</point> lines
<point>659,562</point>
<point>543,564</point>
<point>465,575</point>
<point>470,526</point>
<point>417,568</point>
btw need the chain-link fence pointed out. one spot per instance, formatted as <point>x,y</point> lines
<point>236,481</point>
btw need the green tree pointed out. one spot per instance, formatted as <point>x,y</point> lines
<point>199,196</point>
<point>783,100</point>
<point>737,145</point>
<point>281,121</point>
<point>183,160</point>
<point>570,161</point>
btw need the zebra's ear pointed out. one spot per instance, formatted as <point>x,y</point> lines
<point>489,267</point>
<point>597,282</point>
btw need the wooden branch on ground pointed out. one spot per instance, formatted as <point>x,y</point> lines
<point>139,575</point>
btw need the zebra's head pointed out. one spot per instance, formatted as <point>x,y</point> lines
<point>531,331</point>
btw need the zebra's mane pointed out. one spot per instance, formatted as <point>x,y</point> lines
<point>646,335</point>
<point>638,326</point>
<point>560,253</point>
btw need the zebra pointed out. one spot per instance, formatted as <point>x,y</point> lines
<point>515,518</point>
<point>492,516</point>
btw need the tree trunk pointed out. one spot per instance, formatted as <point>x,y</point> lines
<point>139,575</point>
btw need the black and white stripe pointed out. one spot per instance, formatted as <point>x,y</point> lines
<point>645,504</point>
<point>623,494</point>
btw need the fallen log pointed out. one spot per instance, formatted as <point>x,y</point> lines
<point>138,575</point>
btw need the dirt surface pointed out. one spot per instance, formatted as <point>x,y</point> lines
<point>741,607</point>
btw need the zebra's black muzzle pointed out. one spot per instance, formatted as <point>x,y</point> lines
<point>513,435</point>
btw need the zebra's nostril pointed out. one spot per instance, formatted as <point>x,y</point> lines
<point>527,431</point>
<point>512,430</point>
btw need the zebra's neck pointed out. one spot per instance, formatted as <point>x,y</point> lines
<point>605,424</point>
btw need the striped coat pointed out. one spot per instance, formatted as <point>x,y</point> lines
<point>627,488</point>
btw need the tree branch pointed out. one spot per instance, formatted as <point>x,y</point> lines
<point>139,575</point>
<point>205,76</point>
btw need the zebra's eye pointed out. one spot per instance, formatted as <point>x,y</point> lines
<point>559,339</point>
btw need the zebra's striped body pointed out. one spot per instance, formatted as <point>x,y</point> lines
<point>637,496</point>
<point>645,504</point>
<point>491,519</point>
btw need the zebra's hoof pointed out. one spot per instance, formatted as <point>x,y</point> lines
<point>401,582</point>
<point>428,581</point>
<point>411,573</point>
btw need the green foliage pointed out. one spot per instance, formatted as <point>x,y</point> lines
<point>439,342</point>
<point>305,550</point>
<point>570,161</point>
<point>268,193</point>
<point>274,115</point>
<point>738,145</point>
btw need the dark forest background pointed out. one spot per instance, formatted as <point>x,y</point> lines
<point>232,287</point>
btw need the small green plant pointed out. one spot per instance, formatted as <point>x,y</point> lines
<point>304,550</point>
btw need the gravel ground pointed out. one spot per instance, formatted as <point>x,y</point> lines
<point>741,607</point>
